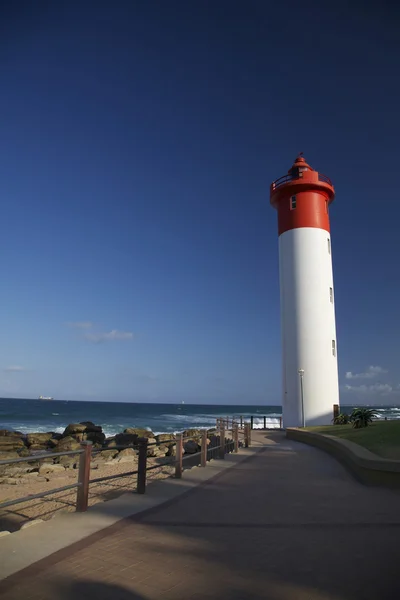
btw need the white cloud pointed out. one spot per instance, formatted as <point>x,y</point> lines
<point>370,373</point>
<point>80,324</point>
<point>14,369</point>
<point>376,388</point>
<point>109,336</point>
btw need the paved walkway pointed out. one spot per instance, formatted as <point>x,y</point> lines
<point>289,523</point>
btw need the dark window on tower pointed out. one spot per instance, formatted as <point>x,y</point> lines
<point>329,245</point>
<point>333,348</point>
<point>293,202</point>
<point>331,294</point>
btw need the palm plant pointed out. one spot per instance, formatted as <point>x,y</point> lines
<point>341,419</point>
<point>361,417</point>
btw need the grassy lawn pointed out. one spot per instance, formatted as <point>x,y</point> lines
<point>382,438</point>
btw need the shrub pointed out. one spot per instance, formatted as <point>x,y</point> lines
<point>361,417</point>
<point>341,419</point>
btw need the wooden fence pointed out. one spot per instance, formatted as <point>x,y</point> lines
<point>215,447</point>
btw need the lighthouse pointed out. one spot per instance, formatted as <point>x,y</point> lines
<point>309,348</point>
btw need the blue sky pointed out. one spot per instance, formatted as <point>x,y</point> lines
<point>138,141</point>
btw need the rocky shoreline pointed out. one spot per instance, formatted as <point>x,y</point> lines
<point>14,444</point>
<point>45,474</point>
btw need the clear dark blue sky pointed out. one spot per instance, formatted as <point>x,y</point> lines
<point>138,142</point>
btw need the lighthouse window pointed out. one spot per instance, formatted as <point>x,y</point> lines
<point>331,294</point>
<point>333,348</point>
<point>293,202</point>
<point>329,245</point>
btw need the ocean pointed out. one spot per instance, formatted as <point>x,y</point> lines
<point>54,415</point>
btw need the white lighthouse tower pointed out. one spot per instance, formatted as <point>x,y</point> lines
<point>309,347</point>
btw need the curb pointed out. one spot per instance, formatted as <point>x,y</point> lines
<point>367,467</point>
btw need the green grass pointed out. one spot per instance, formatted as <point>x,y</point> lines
<point>382,438</point>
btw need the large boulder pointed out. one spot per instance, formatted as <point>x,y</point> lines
<point>97,437</point>
<point>38,439</point>
<point>125,439</point>
<point>139,431</point>
<point>107,454</point>
<point>11,443</point>
<point>8,433</point>
<point>50,468</point>
<point>66,444</point>
<point>91,427</point>
<point>191,447</point>
<point>73,428</point>
<point>79,428</point>
<point>192,433</point>
<point>165,437</point>
<point>127,455</point>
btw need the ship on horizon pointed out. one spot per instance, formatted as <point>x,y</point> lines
<point>45,398</point>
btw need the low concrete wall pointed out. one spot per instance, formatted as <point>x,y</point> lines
<point>363,464</point>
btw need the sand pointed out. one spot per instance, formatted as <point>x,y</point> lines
<point>12,517</point>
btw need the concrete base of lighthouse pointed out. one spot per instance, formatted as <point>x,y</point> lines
<point>308,327</point>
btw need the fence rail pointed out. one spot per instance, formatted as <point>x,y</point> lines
<point>211,448</point>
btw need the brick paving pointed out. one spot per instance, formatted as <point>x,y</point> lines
<point>289,523</point>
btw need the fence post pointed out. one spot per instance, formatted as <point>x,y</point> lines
<point>204,447</point>
<point>142,466</point>
<point>246,435</point>
<point>336,410</point>
<point>222,442</point>
<point>82,495</point>
<point>251,422</point>
<point>280,422</point>
<point>265,422</point>
<point>179,455</point>
<point>236,438</point>
<point>241,422</point>
<point>249,436</point>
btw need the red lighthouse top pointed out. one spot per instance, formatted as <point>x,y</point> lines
<point>302,197</point>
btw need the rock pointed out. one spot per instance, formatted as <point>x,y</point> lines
<point>165,437</point>
<point>191,447</point>
<point>9,455</point>
<point>85,427</point>
<point>91,427</point>
<point>68,462</point>
<point>4,533</point>
<point>193,433</point>
<point>126,439</point>
<point>14,481</point>
<point>23,452</point>
<point>8,443</point>
<point>139,431</point>
<point>66,444</point>
<point>49,468</point>
<point>107,454</point>
<point>110,442</point>
<point>38,447</point>
<point>78,437</point>
<point>74,428</point>
<point>127,455</point>
<point>32,475</point>
<point>158,451</point>
<point>171,450</point>
<point>31,523</point>
<point>97,437</point>
<point>53,442</point>
<point>16,470</point>
<point>38,439</point>
<point>8,433</point>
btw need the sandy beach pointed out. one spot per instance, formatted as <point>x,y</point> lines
<point>11,518</point>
